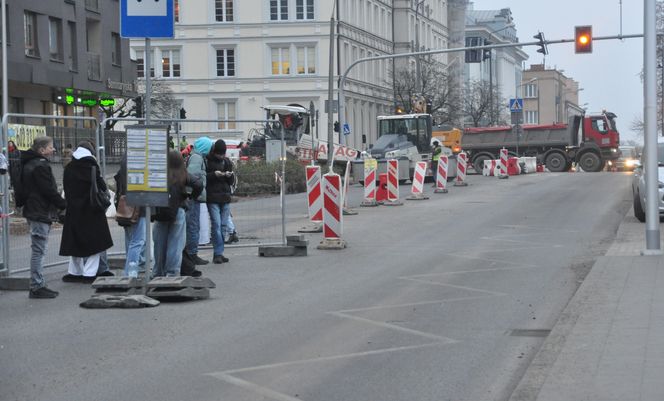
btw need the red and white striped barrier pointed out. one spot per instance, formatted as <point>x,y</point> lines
<point>417,189</point>
<point>332,213</point>
<point>462,165</point>
<point>314,195</point>
<point>370,167</point>
<point>393,183</point>
<point>502,172</point>
<point>441,175</point>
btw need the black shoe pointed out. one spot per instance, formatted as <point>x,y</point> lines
<point>72,278</point>
<point>43,293</point>
<point>232,238</point>
<point>107,273</point>
<point>88,279</point>
<point>198,261</point>
<point>219,259</point>
<point>196,273</point>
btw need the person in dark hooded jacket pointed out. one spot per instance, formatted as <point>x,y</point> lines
<point>219,180</point>
<point>42,206</point>
<point>85,235</point>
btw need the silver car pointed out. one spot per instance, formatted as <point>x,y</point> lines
<point>639,186</point>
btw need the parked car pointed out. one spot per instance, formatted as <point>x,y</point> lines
<point>639,186</point>
<point>628,159</point>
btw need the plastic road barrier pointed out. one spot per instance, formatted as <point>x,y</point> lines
<point>462,165</point>
<point>441,175</point>
<point>370,167</point>
<point>392,183</point>
<point>332,216</point>
<point>314,195</point>
<point>503,163</point>
<point>417,189</point>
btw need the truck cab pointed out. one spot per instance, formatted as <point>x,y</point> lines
<point>599,130</point>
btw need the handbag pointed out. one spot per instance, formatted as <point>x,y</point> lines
<point>99,200</point>
<point>126,215</point>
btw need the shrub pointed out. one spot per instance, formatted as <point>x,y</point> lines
<point>258,178</point>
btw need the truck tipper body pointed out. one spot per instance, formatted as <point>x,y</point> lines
<point>588,140</point>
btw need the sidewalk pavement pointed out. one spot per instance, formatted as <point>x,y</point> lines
<point>608,344</point>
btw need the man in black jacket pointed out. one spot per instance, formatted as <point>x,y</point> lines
<point>42,206</point>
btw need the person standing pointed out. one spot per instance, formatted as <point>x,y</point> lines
<point>42,206</point>
<point>196,164</point>
<point>66,155</point>
<point>183,143</point>
<point>169,230</point>
<point>14,158</point>
<point>435,156</point>
<point>219,180</point>
<point>85,235</point>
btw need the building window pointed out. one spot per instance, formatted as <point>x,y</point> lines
<point>530,91</point>
<point>116,49</point>
<point>226,111</point>
<point>532,117</point>
<point>306,60</point>
<point>225,62</point>
<point>55,38</point>
<point>304,9</point>
<point>176,10</point>
<point>140,63</point>
<point>278,10</point>
<point>170,63</point>
<point>223,10</point>
<point>30,34</point>
<point>280,60</point>
<point>73,46</point>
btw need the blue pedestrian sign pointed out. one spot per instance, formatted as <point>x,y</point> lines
<point>346,129</point>
<point>146,19</point>
<point>516,105</point>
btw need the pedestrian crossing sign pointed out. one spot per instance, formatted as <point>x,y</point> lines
<point>516,105</point>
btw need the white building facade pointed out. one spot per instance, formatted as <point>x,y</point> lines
<point>230,57</point>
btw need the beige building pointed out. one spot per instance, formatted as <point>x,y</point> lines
<point>230,57</point>
<point>549,96</point>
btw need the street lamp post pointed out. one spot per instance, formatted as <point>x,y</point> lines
<point>330,97</point>
<point>418,70</point>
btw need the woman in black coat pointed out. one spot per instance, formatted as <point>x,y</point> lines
<point>85,235</point>
<point>219,176</point>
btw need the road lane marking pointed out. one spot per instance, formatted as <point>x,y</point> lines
<point>395,306</point>
<point>264,391</point>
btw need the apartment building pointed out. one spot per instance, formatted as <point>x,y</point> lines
<point>231,57</point>
<point>549,97</point>
<point>65,56</point>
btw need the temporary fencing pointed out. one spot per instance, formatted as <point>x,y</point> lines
<point>258,210</point>
<point>441,175</point>
<point>417,189</point>
<point>370,167</point>
<point>462,165</point>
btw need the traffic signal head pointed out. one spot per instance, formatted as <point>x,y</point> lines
<point>183,113</point>
<point>543,49</point>
<point>336,126</point>
<point>138,107</point>
<point>583,39</point>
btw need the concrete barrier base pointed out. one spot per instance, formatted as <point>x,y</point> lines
<point>316,227</point>
<point>332,243</point>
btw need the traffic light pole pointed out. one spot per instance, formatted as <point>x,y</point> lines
<point>650,129</point>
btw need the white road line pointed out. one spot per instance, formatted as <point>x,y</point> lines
<point>329,358</point>
<point>395,306</point>
<point>472,271</point>
<point>490,260</point>
<point>264,391</point>
<point>538,228</point>
<point>443,339</point>
<point>497,294</point>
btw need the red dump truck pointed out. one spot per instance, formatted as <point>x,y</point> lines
<point>589,140</point>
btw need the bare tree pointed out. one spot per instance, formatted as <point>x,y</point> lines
<point>436,89</point>
<point>162,103</point>
<point>483,104</point>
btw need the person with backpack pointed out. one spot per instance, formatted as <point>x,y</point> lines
<point>170,228</point>
<point>37,192</point>
<point>196,166</point>
<point>219,180</point>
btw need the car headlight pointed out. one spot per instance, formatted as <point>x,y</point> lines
<point>614,150</point>
<point>630,163</point>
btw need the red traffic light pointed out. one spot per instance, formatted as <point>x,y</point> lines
<point>583,39</point>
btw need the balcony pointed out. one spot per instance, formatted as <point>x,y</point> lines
<point>94,67</point>
<point>92,5</point>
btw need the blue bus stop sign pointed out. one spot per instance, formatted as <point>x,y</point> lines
<point>146,19</point>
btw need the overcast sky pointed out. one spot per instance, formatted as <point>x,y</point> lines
<point>610,75</point>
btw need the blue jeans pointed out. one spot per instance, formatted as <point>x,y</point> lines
<point>135,244</point>
<point>193,227</point>
<point>39,235</point>
<point>169,239</point>
<point>219,214</point>
<point>229,227</point>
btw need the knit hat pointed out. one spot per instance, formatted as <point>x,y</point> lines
<point>219,147</point>
<point>203,145</point>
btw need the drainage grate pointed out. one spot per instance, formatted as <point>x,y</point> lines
<point>530,333</point>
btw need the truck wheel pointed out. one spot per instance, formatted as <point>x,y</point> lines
<point>556,162</point>
<point>590,162</point>
<point>638,210</point>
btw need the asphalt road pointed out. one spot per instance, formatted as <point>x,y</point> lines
<point>442,299</point>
